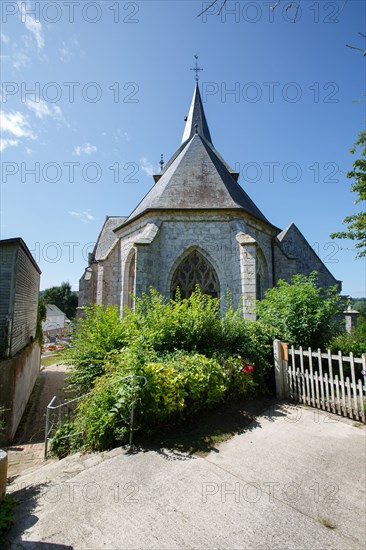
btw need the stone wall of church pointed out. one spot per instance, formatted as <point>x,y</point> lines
<point>285,267</point>
<point>127,243</point>
<point>234,247</point>
<point>214,236</point>
<point>214,239</point>
<point>88,286</point>
<point>299,257</point>
<point>109,282</point>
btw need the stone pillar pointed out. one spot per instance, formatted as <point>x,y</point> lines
<point>351,318</point>
<point>248,258</point>
<point>100,283</point>
<point>142,274</point>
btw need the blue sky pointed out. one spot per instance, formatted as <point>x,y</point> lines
<point>94,92</point>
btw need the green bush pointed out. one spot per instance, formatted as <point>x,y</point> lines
<point>195,324</point>
<point>300,312</point>
<point>98,334</point>
<point>191,357</point>
<point>191,324</point>
<point>354,342</point>
<point>162,325</point>
<point>179,385</point>
<point>7,511</point>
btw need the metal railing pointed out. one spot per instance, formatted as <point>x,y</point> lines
<point>51,421</point>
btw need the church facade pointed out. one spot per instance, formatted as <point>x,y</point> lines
<point>195,226</point>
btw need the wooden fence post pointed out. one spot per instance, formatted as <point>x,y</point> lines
<point>280,352</point>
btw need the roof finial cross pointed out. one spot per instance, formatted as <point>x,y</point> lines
<point>196,68</point>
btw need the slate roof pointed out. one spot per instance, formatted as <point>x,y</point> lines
<point>52,310</point>
<point>294,244</point>
<point>18,241</point>
<point>107,238</point>
<point>196,117</point>
<point>196,177</point>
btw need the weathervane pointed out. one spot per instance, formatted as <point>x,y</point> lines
<point>161,162</point>
<point>196,68</point>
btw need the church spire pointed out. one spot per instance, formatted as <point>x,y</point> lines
<point>196,120</point>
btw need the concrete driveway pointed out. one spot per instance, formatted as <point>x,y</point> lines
<point>294,480</point>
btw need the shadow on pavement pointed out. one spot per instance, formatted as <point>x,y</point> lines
<point>29,545</point>
<point>203,434</point>
<point>26,499</point>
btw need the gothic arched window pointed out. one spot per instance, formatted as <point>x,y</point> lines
<point>195,270</point>
<point>259,286</point>
<point>131,279</point>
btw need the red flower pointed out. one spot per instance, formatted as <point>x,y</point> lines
<point>248,369</point>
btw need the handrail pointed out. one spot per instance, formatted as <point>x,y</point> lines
<point>50,407</point>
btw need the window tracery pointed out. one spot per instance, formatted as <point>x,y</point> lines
<point>194,270</point>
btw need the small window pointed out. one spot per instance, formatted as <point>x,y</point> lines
<point>259,286</point>
<point>131,281</point>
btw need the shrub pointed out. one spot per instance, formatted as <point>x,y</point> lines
<point>165,326</point>
<point>99,333</point>
<point>189,324</point>
<point>190,356</point>
<point>354,342</point>
<point>194,324</point>
<point>300,312</point>
<point>7,511</point>
<point>179,385</point>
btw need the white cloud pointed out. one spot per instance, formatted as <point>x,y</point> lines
<point>70,50</point>
<point>147,167</point>
<point>65,54</point>
<point>4,38</point>
<point>17,124</point>
<point>4,143</point>
<point>42,109</point>
<point>33,26</point>
<point>85,217</point>
<point>17,56</point>
<point>20,59</point>
<point>121,135</point>
<point>86,149</point>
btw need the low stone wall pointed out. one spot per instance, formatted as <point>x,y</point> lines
<point>17,379</point>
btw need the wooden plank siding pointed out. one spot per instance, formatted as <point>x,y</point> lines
<point>19,285</point>
<point>8,254</point>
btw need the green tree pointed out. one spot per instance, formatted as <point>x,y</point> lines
<point>300,312</point>
<point>359,304</point>
<point>41,316</point>
<point>354,342</point>
<point>62,297</point>
<point>356,223</point>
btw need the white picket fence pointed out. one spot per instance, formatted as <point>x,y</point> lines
<point>318,379</point>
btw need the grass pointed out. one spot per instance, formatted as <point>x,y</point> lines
<point>7,511</point>
<point>202,435</point>
<point>51,360</point>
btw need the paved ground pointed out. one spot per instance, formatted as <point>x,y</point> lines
<point>295,479</point>
<point>50,382</point>
<point>27,448</point>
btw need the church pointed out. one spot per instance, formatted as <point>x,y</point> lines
<point>196,226</point>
